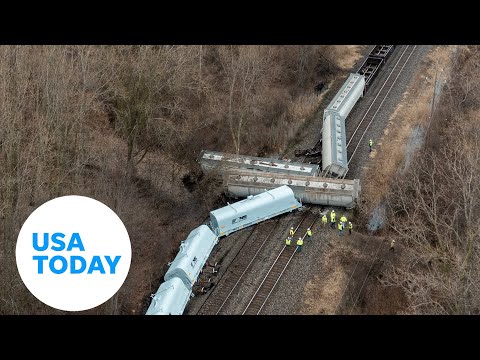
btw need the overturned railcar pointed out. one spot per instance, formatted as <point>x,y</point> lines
<point>252,210</point>
<point>213,160</point>
<point>193,253</point>
<point>308,189</point>
<point>334,145</point>
<point>348,95</point>
<point>170,299</point>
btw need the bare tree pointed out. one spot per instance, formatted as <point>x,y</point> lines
<point>244,67</point>
<point>434,213</point>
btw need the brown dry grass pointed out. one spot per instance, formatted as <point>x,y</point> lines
<point>321,293</point>
<point>348,55</point>
<point>414,109</point>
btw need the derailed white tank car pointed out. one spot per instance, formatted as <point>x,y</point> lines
<point>252,210</point>
<point>348,95</point>
<point>170,299</point>
<point>308,189</point>
<point>224,162</point>
<point>334,147</point>
<point>173,295</point>
<point>193,254</point>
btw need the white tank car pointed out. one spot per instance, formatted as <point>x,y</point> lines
<point>213,160</point>
<point>334,145</point>
<point>193,254</point>
<point>308,189</point>
<point>173,295</point>
<point>334,137</point>
<point>170,299</point>
<point>252,210</point>
<point>347,96</point>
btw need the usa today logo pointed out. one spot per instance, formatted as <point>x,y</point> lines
<point>73,253</point>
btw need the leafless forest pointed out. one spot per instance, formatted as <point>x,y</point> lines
<point>435,206</point>
<point>124,125</point>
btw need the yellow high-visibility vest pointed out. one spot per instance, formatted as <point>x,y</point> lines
<point>288,241</point>
<point>340,227</point>
<point>324,218</point>
<point>343,219</point>
<point>350,225</point>
<point>292,232</point>
<point>300,242</point>
<point>309,232</point>
<point>332,217</point>
<point>370,142</point>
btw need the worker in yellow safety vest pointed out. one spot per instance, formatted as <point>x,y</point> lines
<point>299,244</point>
<point>340,229</point>
<point>324,220</point>
<point>292,231</point>
<point>288,241</point>
<point>332,218</point>
<point>343,220</point>
<point>370,144</point>
<point>350,227</point>
<point>309,232</point>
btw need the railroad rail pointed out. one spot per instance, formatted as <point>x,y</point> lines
<point>205,307</point>
<point>233,274</point>
<point>266,287</point>
<point>221,294</point>
<point>367,119</point>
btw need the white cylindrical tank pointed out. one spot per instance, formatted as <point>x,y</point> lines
<point>308,189</point>
<point>261,206</point>
<point>193,254</point>
<point>170,299</point>
<point>334,147</point>
<point>348,95</point>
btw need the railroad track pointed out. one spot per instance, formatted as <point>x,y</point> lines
<point>357,137</point>
<point>266,287</point>
<point>220,294</point>
<point>206,307</point>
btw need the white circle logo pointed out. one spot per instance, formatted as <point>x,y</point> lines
<point>73,253</point>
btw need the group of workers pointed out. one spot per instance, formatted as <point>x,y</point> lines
<point>333,222</point>
<point>288,241</point>
<point>341,224</point>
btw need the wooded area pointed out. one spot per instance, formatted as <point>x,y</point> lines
<point>125,124</point>
<point>434,206</point>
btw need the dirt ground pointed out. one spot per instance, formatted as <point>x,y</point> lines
<point>349,282</point>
